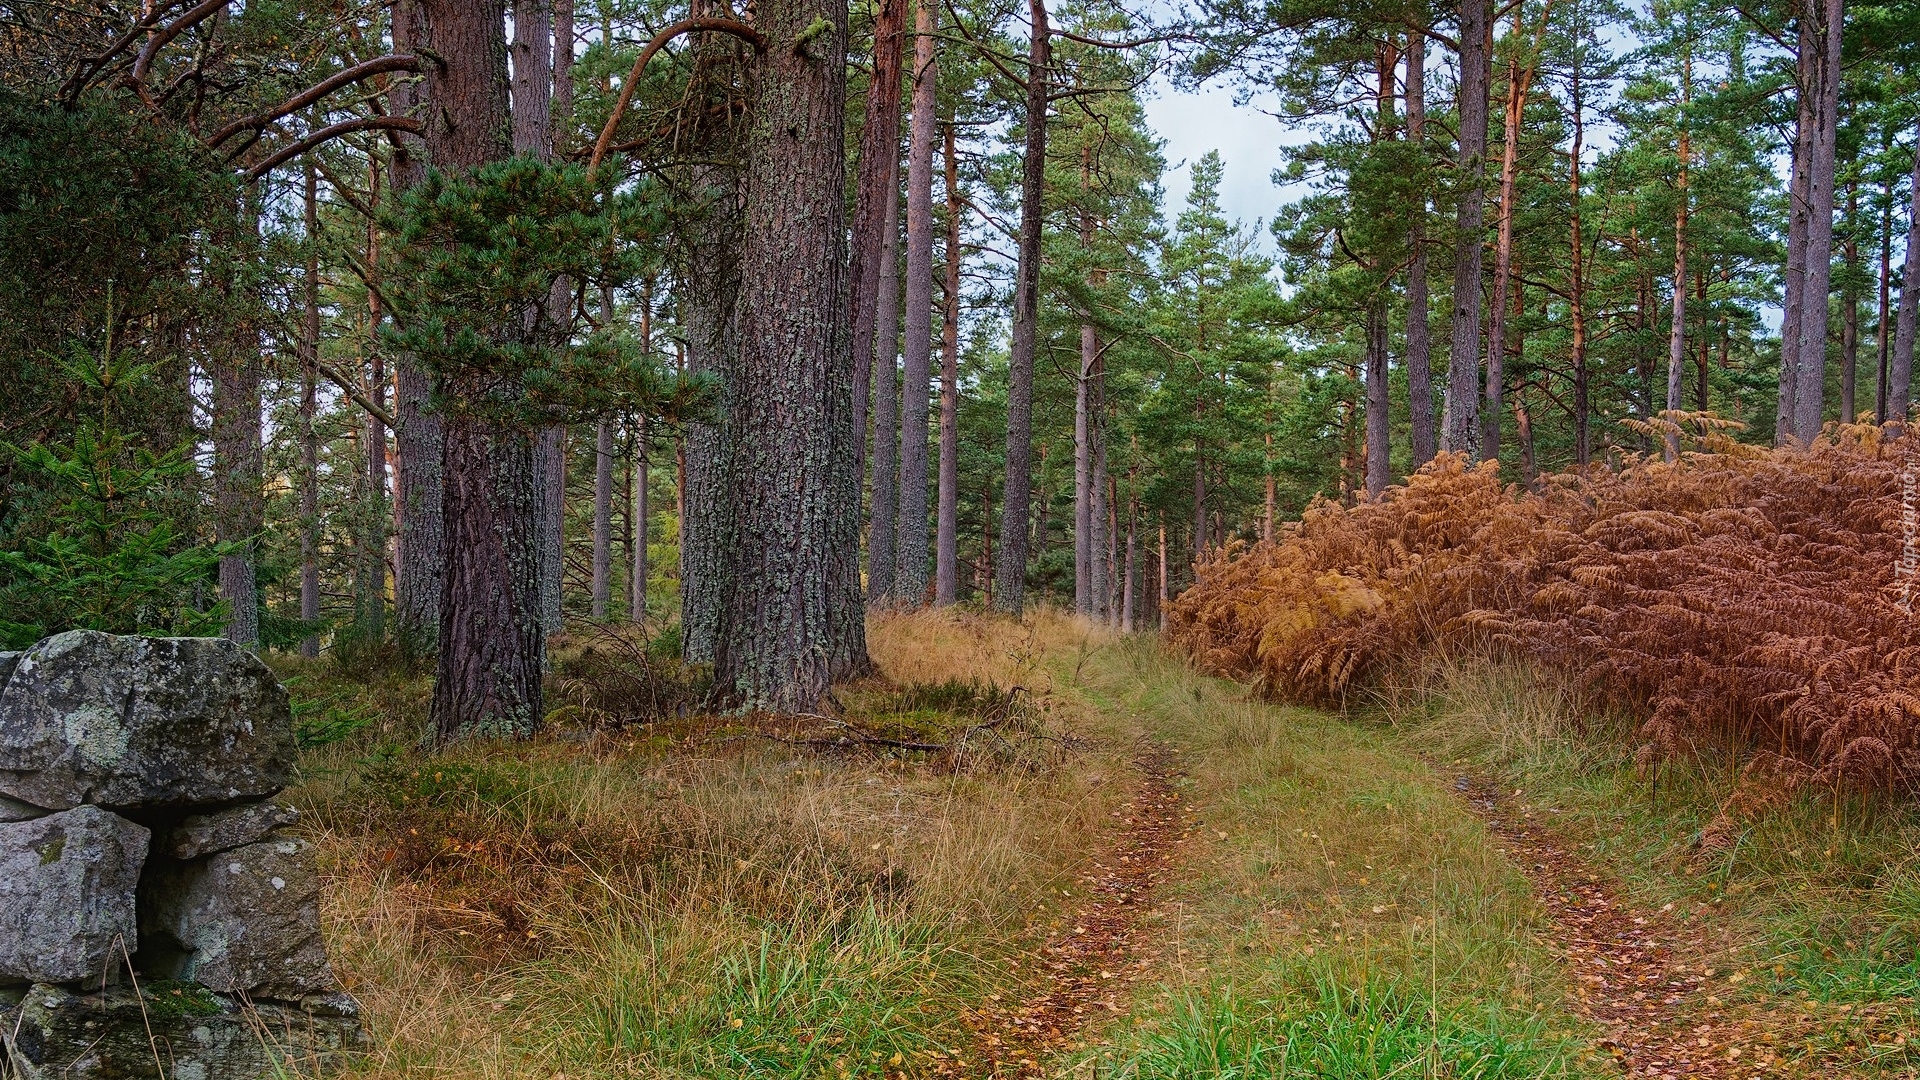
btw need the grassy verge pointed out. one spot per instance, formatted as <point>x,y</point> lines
<point>1805,902</point>
<point>1342,915</point>
<point>694,898</point>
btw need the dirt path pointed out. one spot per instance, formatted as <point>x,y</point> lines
<point>1641,976</point>
<point>1089,968</point>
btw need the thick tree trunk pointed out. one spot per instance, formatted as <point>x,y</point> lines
<point>876,192</point>
<point>910,584</point>
<point>533,134</point>
<point>882,538</point>
<point>418,490</point>
<point>491,648</point>
<point>1419,334</point>
<point>1462,432</point>
<point>792,400</point>
<point>946,545</point>
<point>1907,323</point>
<point>1810,357</point>
<point>709,279</point>
<point>1010,573</point>
<point>309,437</point>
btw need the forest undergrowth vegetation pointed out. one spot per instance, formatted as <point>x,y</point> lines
<point>1738,594</point>
<point>704,896</point>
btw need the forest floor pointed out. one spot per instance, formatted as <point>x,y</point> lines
<point>1149,875</point>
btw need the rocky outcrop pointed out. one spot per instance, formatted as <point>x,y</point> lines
<point>142,724</point>
<point>156,918</point>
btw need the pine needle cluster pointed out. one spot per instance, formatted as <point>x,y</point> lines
<point>1750,594</point>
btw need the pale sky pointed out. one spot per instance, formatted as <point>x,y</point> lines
<point>1195,121</point>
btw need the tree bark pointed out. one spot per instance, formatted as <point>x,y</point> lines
<point>1677,334</point>
<point>946,553</point>
<point>882,538</point>
<point>1810,359</point>
<point>640,518</point>
<point>1883,326</point>
<point>1127,583</point>
<point>418,487</point>
<point>239,511</point>
<point>877,190</point>
<point>1419,334</point>
<point>1462,432</point>
<point>533,134</point>
<point>491,649</point>
<point>602,518</point>
<point>1576,278</point>
<point>792,400</point>
<point>1850,315</point>
<point>309,437</point>
<point>1010,573</point>
<point>1907,323</point>
<point>709,278</point>
<point>910,585</point>
<point>1083,474</point>
<point>1377,401</point>
<point>1100,572</point>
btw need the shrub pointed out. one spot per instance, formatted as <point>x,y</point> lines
<point>1753,595</point>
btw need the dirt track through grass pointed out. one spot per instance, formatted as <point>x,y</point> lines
<point>1628,967</point>
<point>1088,971</point>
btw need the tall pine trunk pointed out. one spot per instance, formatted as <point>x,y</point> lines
<point>1419,333</point>
<point>234,363</point>
<point>1677,334</point>
<point>946,544</point>
<point>1010,573</point>
<point>602,518</point>
<point>793,387</point>
<point>1519,85</point>
<point>1576,275</point>
<point>1378,402</point>
<point>883,552</point>
<point>309,437</point>
<point>1810,353</point>
<point>491,648</point>
<point>910,582</point>
<point>1850,314</point>
<point>1907,323</point>
<point>876,191</point>
<point>1462,432</point>
<point>418,488</point>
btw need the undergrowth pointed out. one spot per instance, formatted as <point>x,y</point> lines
<point>1743,594</point>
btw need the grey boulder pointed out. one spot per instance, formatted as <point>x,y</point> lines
<point>170,1032</point>
<point>8,660</point>
<point>136,723</point>
<point>67,888</point>
<point>224,830</point>
<point>245,921</point>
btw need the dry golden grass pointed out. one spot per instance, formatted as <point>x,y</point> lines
<point>693,899</point>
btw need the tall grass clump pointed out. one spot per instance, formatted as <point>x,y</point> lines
<point>1738,594</point>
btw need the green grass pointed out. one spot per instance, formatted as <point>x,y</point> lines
<point>1340,913</point>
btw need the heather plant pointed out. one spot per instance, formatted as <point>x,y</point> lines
<point>1749,595</point>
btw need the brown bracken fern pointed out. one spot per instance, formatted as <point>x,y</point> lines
<point>1737,592</point>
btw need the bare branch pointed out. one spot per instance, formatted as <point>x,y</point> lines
<point>332,131</point>
<point>314,93</point>
<point>167,33</point>
<point>684,26</point>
